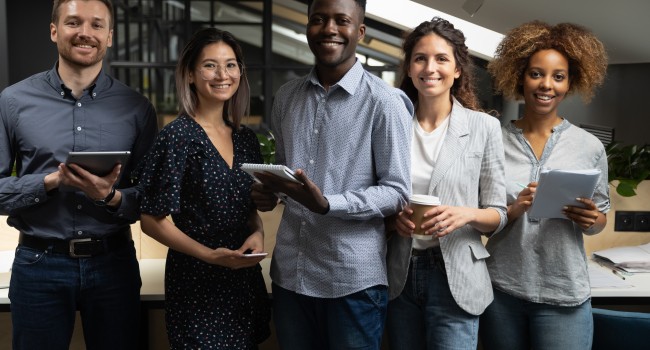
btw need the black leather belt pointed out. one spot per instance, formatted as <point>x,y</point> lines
<point>78,247</point>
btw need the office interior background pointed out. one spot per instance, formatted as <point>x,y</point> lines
<point>149,34</point>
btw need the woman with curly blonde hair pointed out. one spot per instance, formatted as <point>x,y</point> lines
<point>538,267</point>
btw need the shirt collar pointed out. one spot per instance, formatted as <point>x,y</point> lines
<point>560,127</point>
<point>349,82</point>
<point>100,85</point>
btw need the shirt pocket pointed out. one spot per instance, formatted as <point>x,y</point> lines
<point>478,251</point>
<point>116,136</point>
<point>473,159</point>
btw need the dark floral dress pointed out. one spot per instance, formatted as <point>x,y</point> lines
<point>206,306</point>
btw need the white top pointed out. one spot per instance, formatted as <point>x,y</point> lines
<point>425,147</point>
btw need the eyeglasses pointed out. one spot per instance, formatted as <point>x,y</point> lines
<point>209,70</point>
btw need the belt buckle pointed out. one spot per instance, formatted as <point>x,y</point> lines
<point>72,244</point>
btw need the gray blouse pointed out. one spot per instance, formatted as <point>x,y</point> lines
<point>543,260</point>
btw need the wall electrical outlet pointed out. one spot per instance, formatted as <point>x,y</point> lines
<point>636,221</point>
<point>642,221</point>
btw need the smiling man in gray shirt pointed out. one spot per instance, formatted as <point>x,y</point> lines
<point>75,250</point>
<point>348,133</point>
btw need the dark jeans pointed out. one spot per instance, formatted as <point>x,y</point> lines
<point>425,315</point>
<point>47,289</point>
<point>355,321</point>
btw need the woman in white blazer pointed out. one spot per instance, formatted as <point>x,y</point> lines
<point>439,287</point>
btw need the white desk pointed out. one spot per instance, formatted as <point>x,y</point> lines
<point>152,293</point>
<point>152,272</point>
<point>637,294</point>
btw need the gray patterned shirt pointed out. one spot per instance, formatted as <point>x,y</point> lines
<point>40,122</point>
<point>353,141</point>
<point>544,260</point>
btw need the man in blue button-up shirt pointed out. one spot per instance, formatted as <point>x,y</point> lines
<point>347,133</point>
<point>75,250</point>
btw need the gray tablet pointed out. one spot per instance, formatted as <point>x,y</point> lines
<point>98,163</point>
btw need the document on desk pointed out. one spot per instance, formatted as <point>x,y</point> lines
<point>602,278</point>
<point>630,258</point>
<point>558,188</point>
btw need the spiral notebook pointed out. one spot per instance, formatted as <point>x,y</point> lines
<point>279,170</point>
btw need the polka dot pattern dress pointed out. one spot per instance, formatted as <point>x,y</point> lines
<point>206,306</point>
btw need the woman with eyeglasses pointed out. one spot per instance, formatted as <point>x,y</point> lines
<point>215,295</point>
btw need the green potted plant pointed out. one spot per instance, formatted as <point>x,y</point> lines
<point>629,165</point>
<point>267,147</point>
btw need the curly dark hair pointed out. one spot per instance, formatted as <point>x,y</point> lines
<point>463,88</point>
<point>585,53</point>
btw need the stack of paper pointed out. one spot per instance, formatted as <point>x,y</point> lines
<point>558,188</point>
<point>630,259</point>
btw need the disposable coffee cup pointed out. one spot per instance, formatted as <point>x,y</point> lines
<point>420,204</point>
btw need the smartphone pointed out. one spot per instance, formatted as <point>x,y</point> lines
<point>251,255</point>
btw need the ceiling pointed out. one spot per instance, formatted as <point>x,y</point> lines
<point>623,26</point>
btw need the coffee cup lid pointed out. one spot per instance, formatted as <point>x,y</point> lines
<point>424,199</point>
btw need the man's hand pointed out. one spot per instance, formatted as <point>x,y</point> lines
<point>95,187</point>
<point>52,181</point>
<point>307,193</point>
<point>263,197</point>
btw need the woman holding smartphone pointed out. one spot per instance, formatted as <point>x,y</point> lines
<point>215,294</point>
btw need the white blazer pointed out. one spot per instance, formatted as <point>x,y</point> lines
<point>469,172</point>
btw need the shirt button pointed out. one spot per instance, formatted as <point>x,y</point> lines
<point>62,93</point>
<point>80,233</point>
<point>94,94</point>
<point>37,200</point>
<point>303,223</point>
<point>311,161</point>
<point>78,128</point>
<point>78,104</point>
<point>79,206</point>
<point>316,131</point>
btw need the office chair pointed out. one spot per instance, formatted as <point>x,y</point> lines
<point>621,330</point>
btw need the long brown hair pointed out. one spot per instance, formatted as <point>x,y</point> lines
<point>463,88</point>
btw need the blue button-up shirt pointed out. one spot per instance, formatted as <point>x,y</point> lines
<point>40,122</point>
<point>353,141</point>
